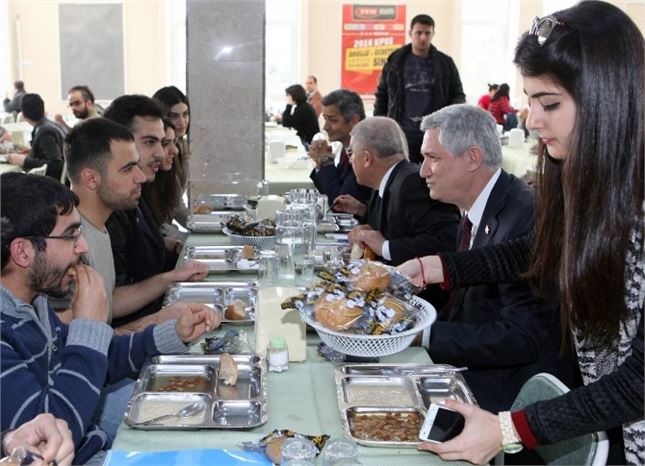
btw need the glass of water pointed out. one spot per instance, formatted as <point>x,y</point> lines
<point>340,451</point>
<point>290,243</point>
<point>304,270</point>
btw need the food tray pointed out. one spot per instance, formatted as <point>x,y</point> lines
<point>220,259</point>
<point>321,248</point>
<point>380,393</point>
<point>209,223</point>
<point>222,201</point>
<point>345,222</point>
<point>242,406</point>
<point>217,295</point>
<point>261,242</point>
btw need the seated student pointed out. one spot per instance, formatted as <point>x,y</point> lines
<point>501,332</point>
<point>102,162</point>
<point>46,139</point>
<point>342,110</point>
<point>140,251</point>
<point>47,366</point>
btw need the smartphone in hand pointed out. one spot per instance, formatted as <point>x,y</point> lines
<point>441,424</point>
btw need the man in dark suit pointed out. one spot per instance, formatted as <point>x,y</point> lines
<point>333,176</point>
<point>500,331</point>
<point>407,223</point>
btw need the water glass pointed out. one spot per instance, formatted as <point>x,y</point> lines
<point>333,256</point>
<point>290,243</point>
<point>340,451</point>
<point>322,206</point>
<point>298,451</point>
<point>263,188</point>
<point>268,268</point>
<point>304,270</point>
<point>306,215</point>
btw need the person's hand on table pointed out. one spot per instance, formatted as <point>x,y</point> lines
<point>90,300</point>
<point>195,320</point>
<point>365,235</point>
<point>44,435</point>
<point>16,159</point>
<point>432,270</point>
<point>350,205</point>
<point>478,443</point>
<point>191,271</point>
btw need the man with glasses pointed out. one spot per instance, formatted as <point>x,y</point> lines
<point>46,365</point>
<point>81,102</point>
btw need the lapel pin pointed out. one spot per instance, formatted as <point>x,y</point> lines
<point>486,230</point>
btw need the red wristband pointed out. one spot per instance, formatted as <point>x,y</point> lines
<point>521,423</point>
<point>423,273</point>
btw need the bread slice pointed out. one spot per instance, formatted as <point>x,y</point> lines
<point>228,370</point>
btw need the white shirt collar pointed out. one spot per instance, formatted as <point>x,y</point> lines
<point>477,210</point>
<point>386,177</point>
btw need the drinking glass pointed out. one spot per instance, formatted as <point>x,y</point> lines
<point>298,451</point>
<point>304,270</point>
<point>340,451</point>
<point>306,215</point>
<point>268,268</point>
<point>290,243</point>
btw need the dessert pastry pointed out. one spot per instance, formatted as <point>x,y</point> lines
<point>248,252</point>
<point>336,313</point>
<point>202,209</point>
<point>236,310</point>
<point>228,370</point>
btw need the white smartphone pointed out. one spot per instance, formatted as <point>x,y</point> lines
<point>441,424</point>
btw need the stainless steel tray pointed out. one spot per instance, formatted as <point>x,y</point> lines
<point>220,259</point>
<point>242,406</point>
<point>222,201</point>
<point>345,222</point>
<point>209,223</point>
<point>376,391</point>
<point>217,295</point>
<point>321,249</point>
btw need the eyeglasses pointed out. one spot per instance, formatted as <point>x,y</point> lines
<point>542,27</point>
<point>75,237</point>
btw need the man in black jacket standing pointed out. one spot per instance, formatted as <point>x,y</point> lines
<point>417,80</point>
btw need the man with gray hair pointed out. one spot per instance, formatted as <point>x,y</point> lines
<point>500,331</point>
<point>407,223</point>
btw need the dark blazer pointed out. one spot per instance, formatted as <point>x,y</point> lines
<point>303,120</point>
<point>335,180</point>
<point>46,148</point>
<point>500,331</point>
<point>139,252</point>
<point>415,224</point>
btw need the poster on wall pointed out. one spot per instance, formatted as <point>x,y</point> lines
<point>370,34</point>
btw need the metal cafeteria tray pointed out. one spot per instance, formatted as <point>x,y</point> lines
<point>220,259</point>
<point>390,400</point>
<point>217,295</point>
<point>223,201</point>
<point>209,223</point>
<point>322,248</point>
<point>344,221</point>
<point>194,379</point>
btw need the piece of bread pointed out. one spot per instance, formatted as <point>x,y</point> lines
<point>228,370</point>
<point>274,449</point>
<point>236,310</point>
<point>202,209</point>
<point>369,254</point>
<point>335,314</point>
<point>357,252</point>
<point>372,275</point>
<point>248,252</point>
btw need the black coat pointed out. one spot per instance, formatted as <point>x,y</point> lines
<point>303,120</point>
<point>46,148</point>
<point>333,181</point>
<point>139,252</point>
<point>500,331</point>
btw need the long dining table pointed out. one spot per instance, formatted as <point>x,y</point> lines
<point>302,399</point>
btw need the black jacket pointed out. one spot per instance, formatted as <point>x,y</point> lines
<point>500,331</point>
<point>303,120</point>
<point>46,148</point>
<point>333,181</point>
<point>389,94</point>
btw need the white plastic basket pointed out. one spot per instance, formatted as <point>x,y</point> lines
<point>260,242</point>
<point>377,345</point>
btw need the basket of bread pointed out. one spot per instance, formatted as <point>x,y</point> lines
<point>365,309</point>
<point>243,230</point>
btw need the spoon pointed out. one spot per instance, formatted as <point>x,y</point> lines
<point>186,411</point>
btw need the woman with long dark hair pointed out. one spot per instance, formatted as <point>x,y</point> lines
<point>588,242</point>
<point>500,107</point>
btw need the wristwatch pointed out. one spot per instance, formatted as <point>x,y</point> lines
<point>511,443</point>
<point>325,160</point>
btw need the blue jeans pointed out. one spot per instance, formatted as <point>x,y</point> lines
<point>511,121</point>
<point>114,400</point>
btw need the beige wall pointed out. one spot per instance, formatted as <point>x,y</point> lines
<point>145,50</point>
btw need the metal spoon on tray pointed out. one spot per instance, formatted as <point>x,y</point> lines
<point>186,411</point>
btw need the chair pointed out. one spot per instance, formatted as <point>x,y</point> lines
<point>589,449</point>
<point>42,170</point>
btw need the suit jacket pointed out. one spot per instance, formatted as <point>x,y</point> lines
<point>415,224</point>
<point>335,180</point>
<point>500,331</point>
<point>139,252</point>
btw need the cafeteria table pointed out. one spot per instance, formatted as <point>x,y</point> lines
<point>302,399</point>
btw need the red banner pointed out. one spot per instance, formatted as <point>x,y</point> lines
<point>370,34</point>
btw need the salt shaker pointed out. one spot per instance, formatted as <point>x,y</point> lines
<point>278,354</point>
